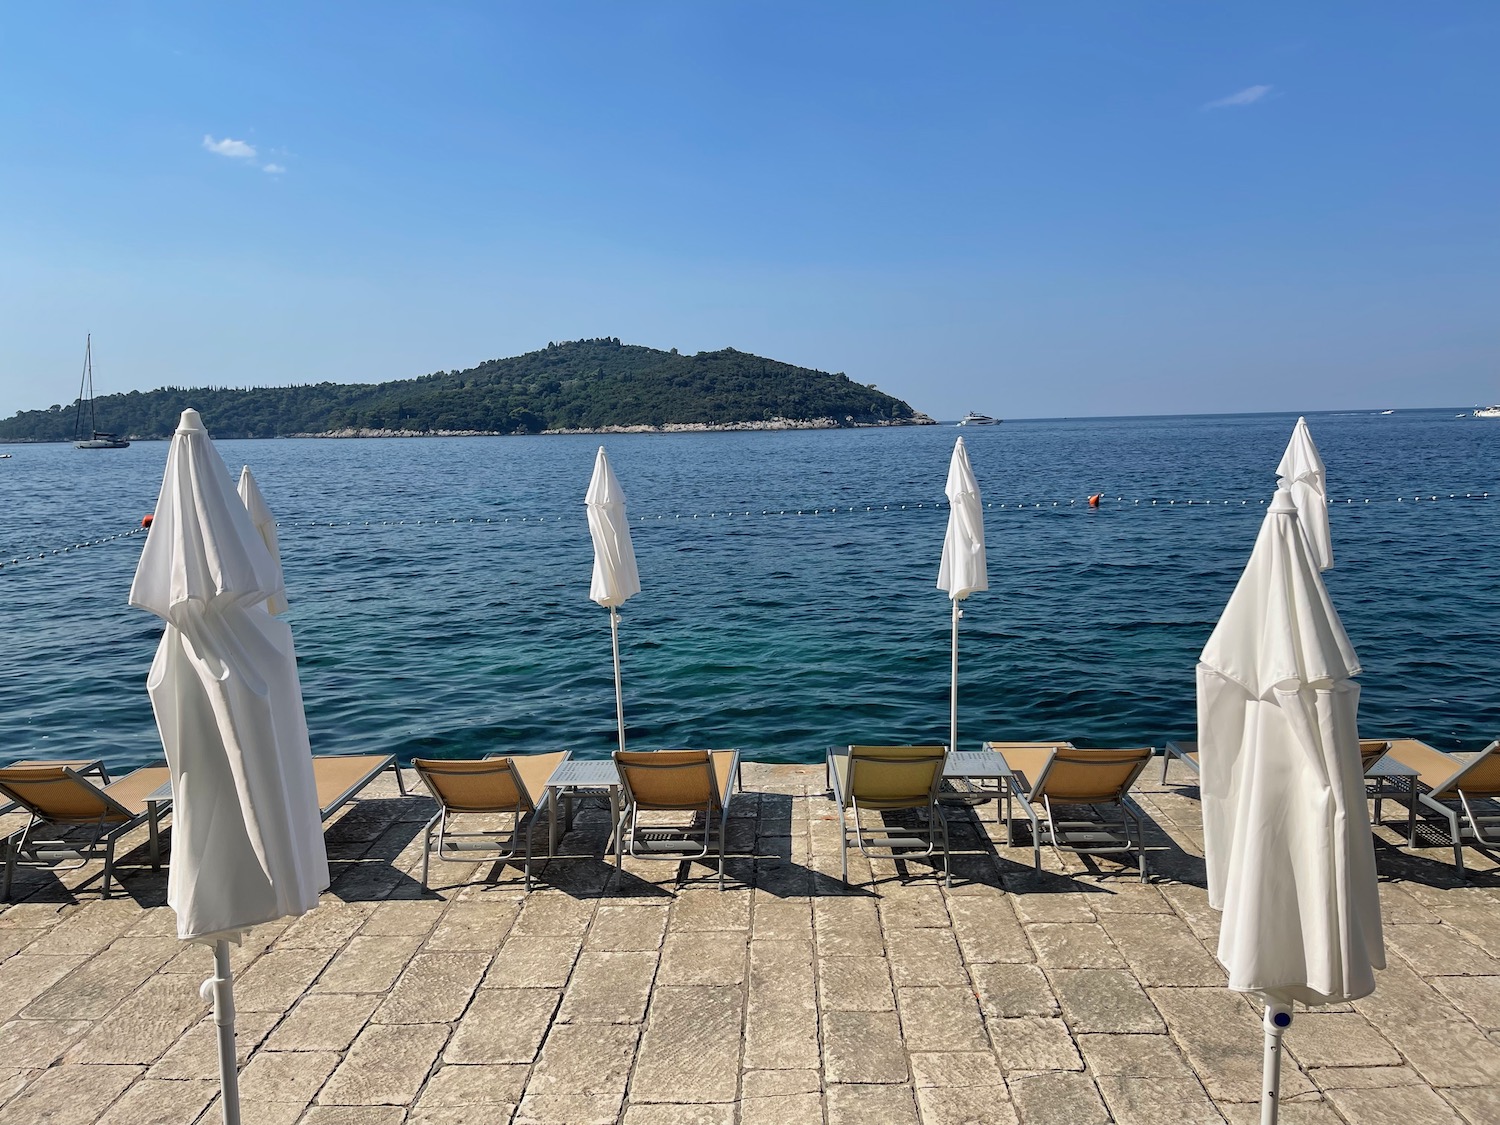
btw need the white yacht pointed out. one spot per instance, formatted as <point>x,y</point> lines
<point>972,419</point>
<point>1487,412</point>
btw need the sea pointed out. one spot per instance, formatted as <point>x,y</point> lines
<point>439,586</point>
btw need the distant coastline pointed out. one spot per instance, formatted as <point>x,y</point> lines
<point>917,419</point>
<point>579,386</point>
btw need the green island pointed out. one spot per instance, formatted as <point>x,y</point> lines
<point>598,385</point>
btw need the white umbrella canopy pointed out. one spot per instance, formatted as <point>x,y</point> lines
<point>963,570</point>
<point>615,576</point>
<point>1290,857</point>
<point>265,524</point>
<point>1302,472</point>
<point>247,840</point>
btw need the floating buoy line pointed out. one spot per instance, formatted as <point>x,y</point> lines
<point>1093,503</point>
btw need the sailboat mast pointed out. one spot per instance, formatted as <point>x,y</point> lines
<point>85,391</point>
<point>88,366</point>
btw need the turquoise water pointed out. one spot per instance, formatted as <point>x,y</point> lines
<point>439,588</point>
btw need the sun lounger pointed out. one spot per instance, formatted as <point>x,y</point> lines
<point>1044,780</point>
<point>674,781</point>
<point>340,777</point>
<point>1371,750</point>
<point>58,796</point>
<point>493,786</point>
<point>890,779</point>
<point>1185,751</point>
<point>1452,785</point>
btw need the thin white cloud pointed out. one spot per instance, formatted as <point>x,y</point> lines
<point>274,169</point>
<point>1248,96</point>
<point>239,150</point>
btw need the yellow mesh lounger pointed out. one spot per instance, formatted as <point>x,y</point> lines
<point>339,777</point>
<point>1451,785</point>
<point>1044,781</point>
<point>491,786</point>
<point>1185,751</point>
<point>58,796</point>
<point>887,779</point>
<point>674,781</point>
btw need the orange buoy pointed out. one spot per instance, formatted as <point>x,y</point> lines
<point>146,519</point>
<point>1095,498</point>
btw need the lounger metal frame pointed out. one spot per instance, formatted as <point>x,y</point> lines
<point>888,843</point>
<point>56,854</point>
<point>675,844</point>
<point>1085,836</point>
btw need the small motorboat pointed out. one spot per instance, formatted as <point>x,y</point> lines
<point>972,419</point>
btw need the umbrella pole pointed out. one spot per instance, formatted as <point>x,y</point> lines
<point>953,694</point>
<point>220,988</point>
<point>614,635</point>
<point>1278,1019</point>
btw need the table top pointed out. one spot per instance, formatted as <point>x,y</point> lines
<point>584,773</point>
<point>975,763</point>
<point>1389,767</point>
<point>162,792</point>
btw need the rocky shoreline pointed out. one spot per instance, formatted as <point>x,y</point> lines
<point>670,428</point>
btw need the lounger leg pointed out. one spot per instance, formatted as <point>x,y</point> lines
<point>723,841</point>
<point>1140,841</point>
<point>427,847</point>
<point>11,846</point>
<point>1166,760</point>
<point>530,828</point>
<point>155,829</point>
<point>109,864</point>
<point>947,869</point>
<point>621,818</point>
<point>843,845</point>
<point>1458,844</point>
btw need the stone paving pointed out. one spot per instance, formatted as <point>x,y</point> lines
<point>1072,995</point>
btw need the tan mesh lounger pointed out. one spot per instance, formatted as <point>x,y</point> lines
<point>1371,750</point>
<point>1068,776</point>
<point>1450,784</point>
<point>1185,751</point>
<point>340,777</point>
<point>674,781</point>
<point>486,786</point>
<point>57,795</point>
<point>887,779</point>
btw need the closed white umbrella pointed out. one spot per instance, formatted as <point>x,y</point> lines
<point>247,840</point>
<point>615,576</point>
<point>1291,862</point>
<point>265,524</point>
<point>1302,472</point>
<point>962,571</point>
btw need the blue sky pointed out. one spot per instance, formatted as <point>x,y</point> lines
<point>1024,209</point>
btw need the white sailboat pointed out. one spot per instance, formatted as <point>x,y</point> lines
<point>91,437</point>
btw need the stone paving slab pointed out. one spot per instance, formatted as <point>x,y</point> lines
<point>1073,994</point>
